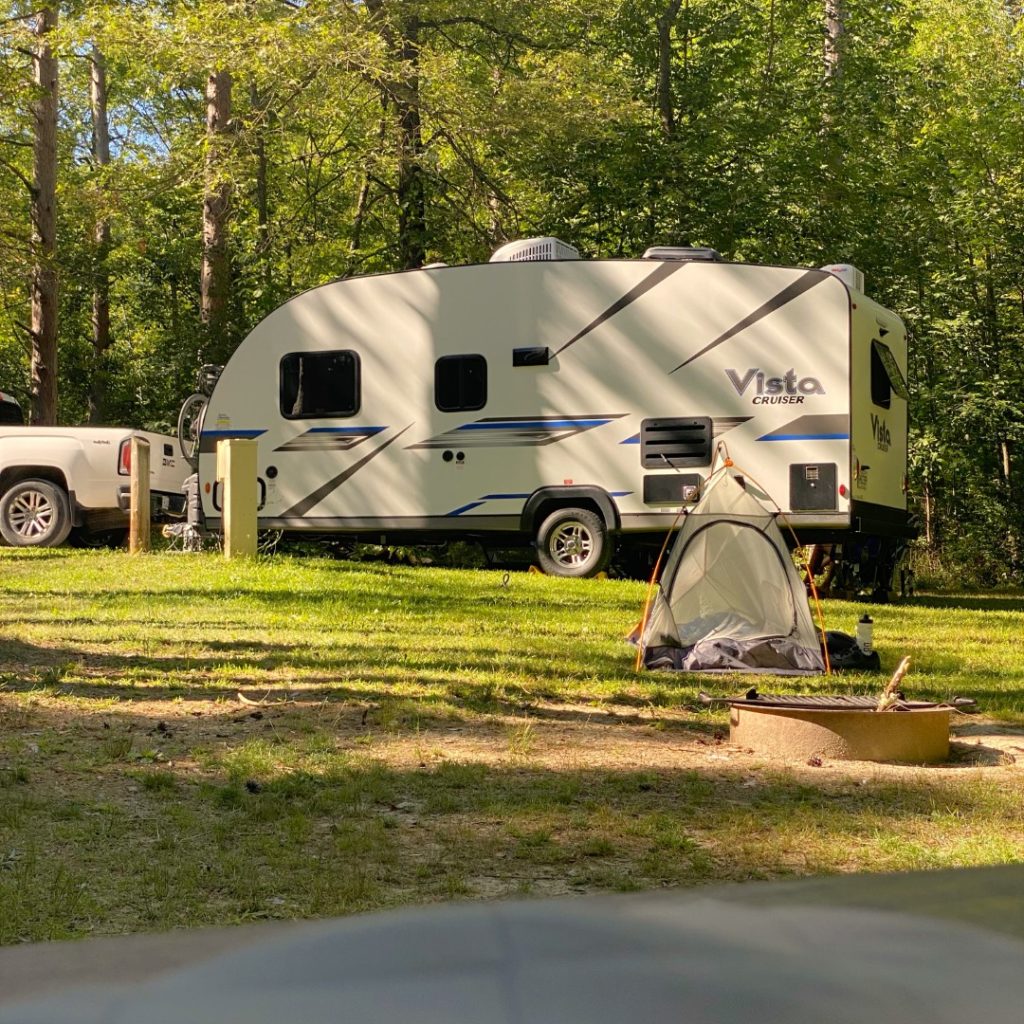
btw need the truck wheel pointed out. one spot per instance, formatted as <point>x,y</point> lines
<point>573,542</point>
<point>35,513</point>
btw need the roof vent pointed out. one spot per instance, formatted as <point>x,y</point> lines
<point>682,252</point>
<point>534,249</point>
<point>848,274</point>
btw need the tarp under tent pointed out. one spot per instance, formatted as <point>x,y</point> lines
<point>730,598</point>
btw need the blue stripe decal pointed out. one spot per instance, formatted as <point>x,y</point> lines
<point>635,439</point>
<point>369,431</point>
<point>531,424</point>
<point>507,497</point>
<point>465,508</point>
<point>233,433</point>
<point>805,437</point>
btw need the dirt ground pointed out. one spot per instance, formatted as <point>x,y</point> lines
<point>545,735</point>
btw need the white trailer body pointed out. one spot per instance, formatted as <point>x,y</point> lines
<point>477,399</point>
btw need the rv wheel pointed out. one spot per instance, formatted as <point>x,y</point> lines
<point>573,542</point>
<point>35,513</point>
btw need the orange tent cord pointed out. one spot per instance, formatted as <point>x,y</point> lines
<point>817,603</point>
<point>807,569</point>
<point>730,464</point>
<point>650,591</point>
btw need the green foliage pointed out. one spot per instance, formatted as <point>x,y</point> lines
<point>615,124</point>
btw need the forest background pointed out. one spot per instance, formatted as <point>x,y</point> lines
<point>170,172</point>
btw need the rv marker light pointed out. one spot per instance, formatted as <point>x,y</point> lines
<point>842,490</point>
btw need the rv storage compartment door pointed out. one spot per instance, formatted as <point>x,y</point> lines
<point>672,443</point>
<point>671,488</point>
<point>812,487</point>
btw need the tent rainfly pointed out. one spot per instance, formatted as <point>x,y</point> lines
<point>730,598</point>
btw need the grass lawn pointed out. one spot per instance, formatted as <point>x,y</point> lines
<point>408,735</point>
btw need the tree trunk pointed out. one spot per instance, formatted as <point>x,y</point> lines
<point>215,281</point>
<point>835,16</point>
<point>929,538</point>
<point>259,107</point>
<point>412,203</point>
<point>666,103</point>
<point>43,323</point>
<point>101,236</point>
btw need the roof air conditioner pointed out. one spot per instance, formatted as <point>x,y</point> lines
<point>848,274</point>
<point>534,249</point>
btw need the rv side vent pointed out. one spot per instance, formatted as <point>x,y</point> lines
<point>534,249</point>
<point>675,443</point>
<point>682,252</point>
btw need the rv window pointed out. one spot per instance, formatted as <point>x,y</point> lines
<point>881,386</point>
<point>460,383</point>
<point>896,379</point>
<point>317,385</point>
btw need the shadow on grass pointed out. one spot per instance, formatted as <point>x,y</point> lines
<point>968,602</point>
<point>264,834</point>
<point>485,678</point>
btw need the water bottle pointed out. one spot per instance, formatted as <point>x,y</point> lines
<point>864,630</point>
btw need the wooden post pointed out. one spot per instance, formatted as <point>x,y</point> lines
<point>236,473</point>
<point>140,508</point>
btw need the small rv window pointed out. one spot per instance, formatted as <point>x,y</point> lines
<point>881,386</point>
<point>897,381</point>
<point>460,383</point>
<point>319,385</point>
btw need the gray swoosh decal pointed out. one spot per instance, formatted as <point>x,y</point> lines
<point>834,427</point>
<point>302,507</point>
<point>723,424</point>
<point>790,292</point>
<point>656,277</point>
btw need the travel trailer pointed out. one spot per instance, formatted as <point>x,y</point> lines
<point>572,403</point>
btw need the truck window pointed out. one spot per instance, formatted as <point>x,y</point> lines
<point>320,385</point>
<point>460,383</point>
<point>10,412</point>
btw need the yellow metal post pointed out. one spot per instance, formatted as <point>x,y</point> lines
<point>139,508</point>
<point>236,473</point>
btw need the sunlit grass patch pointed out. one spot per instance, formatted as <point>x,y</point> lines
<point>188,741</point>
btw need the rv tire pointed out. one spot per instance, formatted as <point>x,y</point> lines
<point>573,542</point>
<point>35,513</point>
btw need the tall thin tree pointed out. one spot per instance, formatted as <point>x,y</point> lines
<point>102,238</point>
<point>43,287</point>
<point>215,281</point>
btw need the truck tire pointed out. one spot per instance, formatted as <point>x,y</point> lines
<point>35,513</point>
<point>573,542</point>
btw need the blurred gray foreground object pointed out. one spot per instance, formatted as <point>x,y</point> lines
<point>816,951</point>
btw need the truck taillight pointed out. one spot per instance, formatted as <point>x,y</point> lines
<point>124,458</point>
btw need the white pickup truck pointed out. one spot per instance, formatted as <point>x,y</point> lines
<point>53,479</point>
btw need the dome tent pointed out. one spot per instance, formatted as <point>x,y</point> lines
<point>730,597</point>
